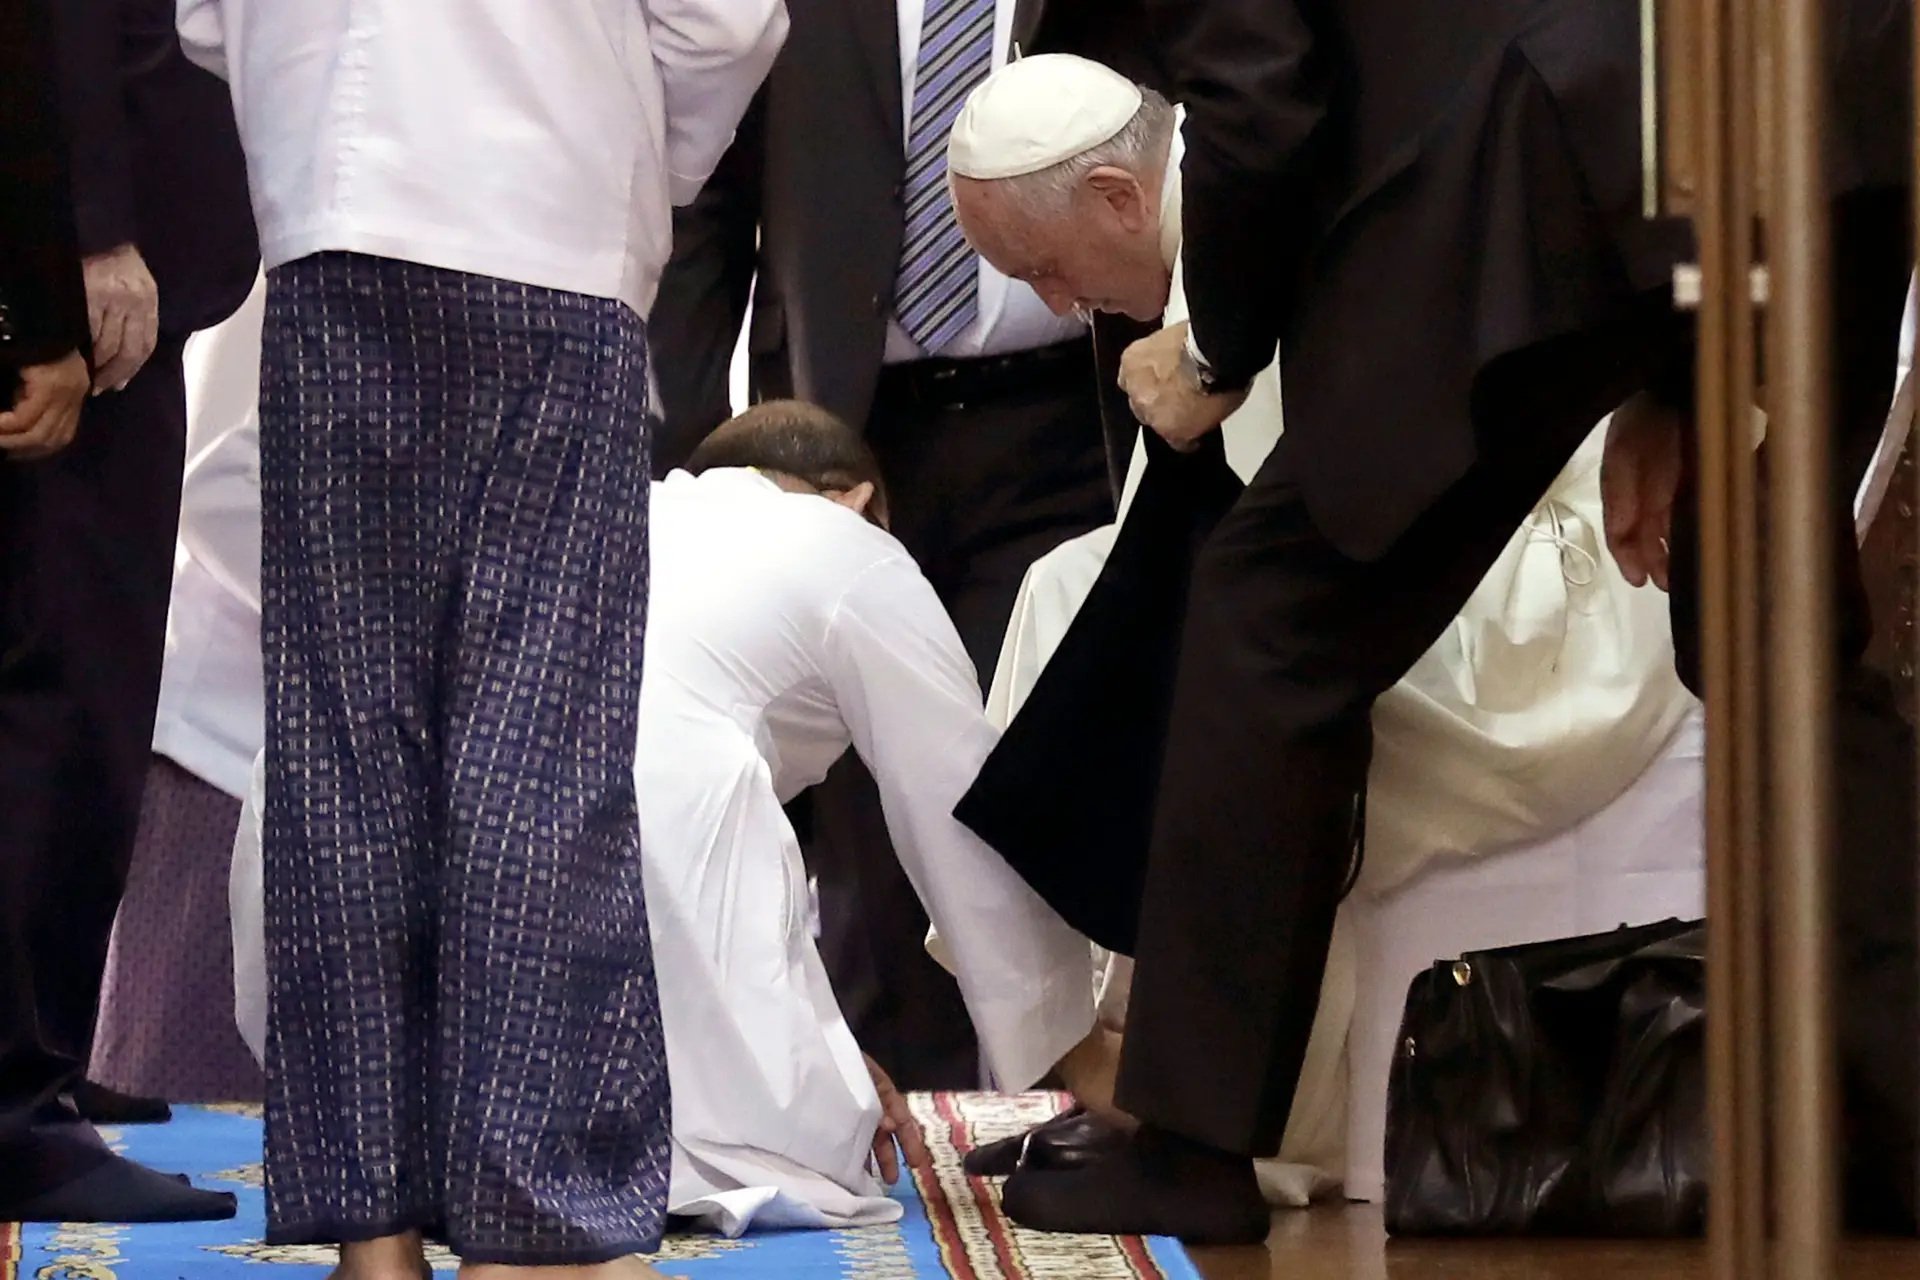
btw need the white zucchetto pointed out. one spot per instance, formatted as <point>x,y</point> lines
<point>1037,112</point>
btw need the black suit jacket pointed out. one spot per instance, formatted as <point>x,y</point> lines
<point>1493,255</point>
<point>817,171</point>
<point>43,305</point>
<point>1423,205</point>
<point>811,197</point>
<point>156,159</point>
<point>1120,34</point>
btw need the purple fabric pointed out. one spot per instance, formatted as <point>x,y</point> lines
<point>166,1011</point>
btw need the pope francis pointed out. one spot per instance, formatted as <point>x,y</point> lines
<point>1543,703</point>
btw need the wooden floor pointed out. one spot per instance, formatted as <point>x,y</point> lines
<point>1350,1244</point>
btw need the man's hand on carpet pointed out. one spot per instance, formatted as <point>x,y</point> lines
<point>898,1129</point>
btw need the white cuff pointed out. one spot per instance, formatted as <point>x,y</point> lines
<point>682,190</point>
<point>1193,350</point>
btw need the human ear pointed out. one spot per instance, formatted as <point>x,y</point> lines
<point>1120,191</point>
<point>856,499</point>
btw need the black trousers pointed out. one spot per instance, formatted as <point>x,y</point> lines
<point>1287,643</point>
<point>986,474</point>
<point>86,570</point>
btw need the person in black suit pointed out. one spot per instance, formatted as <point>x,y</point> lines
<point>158,214</point>
<point>982,406</point>
<point>43,304</point>
<point>1455,198</point>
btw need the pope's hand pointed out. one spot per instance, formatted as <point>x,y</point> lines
<point>1639,479</point>
<point>1165,396</point>
<point>897,1128</point>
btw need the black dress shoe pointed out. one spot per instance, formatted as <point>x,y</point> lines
<point>1068,1141</point>
<point>1155,1184</point>
<point>102,1105</point>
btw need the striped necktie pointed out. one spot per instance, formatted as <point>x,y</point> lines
<point>936,294</point>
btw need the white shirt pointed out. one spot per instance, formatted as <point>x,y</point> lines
<point>538,141</point>
<point>210,714</point>
<point>1012,317</point>
<point>782,629</point>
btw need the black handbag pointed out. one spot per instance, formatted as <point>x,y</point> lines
<point>1556,1088</point>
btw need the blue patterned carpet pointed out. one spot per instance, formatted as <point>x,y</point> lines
<point>951,1229</point>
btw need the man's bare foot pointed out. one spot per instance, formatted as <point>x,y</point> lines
<point>1090,1070</point>
<point>401,1257</point>
<point>628,1268</point>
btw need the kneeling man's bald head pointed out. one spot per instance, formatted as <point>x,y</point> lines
<point>1057,166</point>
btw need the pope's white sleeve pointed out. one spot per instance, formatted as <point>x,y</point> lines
<point>203,34</point>
<point>912,704</point>
<point>712,56</point>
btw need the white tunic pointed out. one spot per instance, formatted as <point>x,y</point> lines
<point>784,628</point>
<point>534,140</point>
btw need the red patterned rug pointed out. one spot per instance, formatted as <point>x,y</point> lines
<point>976,1241</point>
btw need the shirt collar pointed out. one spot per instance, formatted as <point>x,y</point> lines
<point>1170,195</point>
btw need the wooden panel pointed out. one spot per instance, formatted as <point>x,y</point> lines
<point>1672,29</point>
<point>1673,33</point>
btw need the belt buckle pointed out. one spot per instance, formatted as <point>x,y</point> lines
<point>938,380</point>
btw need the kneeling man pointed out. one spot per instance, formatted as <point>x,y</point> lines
<point>786,624</point>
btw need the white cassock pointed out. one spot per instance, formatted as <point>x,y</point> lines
<point>782,629</point>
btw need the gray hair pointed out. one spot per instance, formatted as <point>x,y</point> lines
<point>1140,147</point>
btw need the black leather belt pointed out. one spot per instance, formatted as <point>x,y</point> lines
<point>952,384</point>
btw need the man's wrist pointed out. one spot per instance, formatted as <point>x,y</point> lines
<point>1199,373</point>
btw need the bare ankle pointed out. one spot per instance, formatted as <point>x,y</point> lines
<point>628,1268</point>
<point>399,1257</point>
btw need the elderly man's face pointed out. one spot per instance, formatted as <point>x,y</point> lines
<point>1101,254</point>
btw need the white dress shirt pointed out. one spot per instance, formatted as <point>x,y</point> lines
<point>1012,317</point>
<point>539,141</point>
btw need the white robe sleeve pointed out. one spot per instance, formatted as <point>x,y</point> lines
<point>203,34</point>
<point>712,56</point>
<point>912,704</point>
<point>246,902</point>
